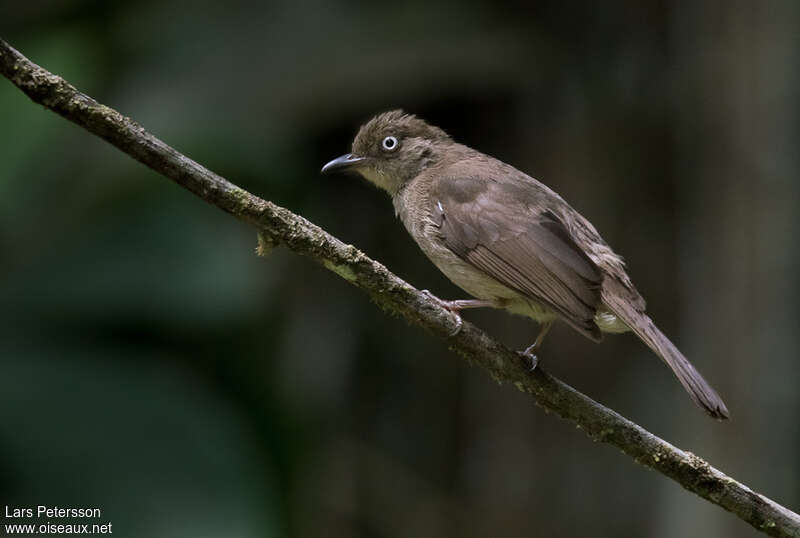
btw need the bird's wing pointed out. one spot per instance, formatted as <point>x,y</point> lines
<point>527,248</point>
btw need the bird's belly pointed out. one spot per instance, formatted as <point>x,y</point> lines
<point>464,275</point>
<point>479,284</point>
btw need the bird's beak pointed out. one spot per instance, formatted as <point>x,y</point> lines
<point>342,163</point>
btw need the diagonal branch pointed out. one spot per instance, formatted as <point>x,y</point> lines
<point>277,225</point>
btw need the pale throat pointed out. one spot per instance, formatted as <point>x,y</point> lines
<point>381,179</point>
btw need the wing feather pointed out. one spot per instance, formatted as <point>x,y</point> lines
<point>526,248</point>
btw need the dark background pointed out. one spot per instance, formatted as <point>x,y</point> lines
<point>154,367</point>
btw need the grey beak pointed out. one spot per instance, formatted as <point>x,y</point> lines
<point>343,162</point>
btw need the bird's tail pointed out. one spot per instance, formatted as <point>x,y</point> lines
<point>697,387</point>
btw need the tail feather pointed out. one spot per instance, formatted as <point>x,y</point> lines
<point>697,387</point>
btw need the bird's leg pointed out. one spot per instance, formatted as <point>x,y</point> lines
<point>463,304</point>
<point>530,351</point>
<point>456,306</point>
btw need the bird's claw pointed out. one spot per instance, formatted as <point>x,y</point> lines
<point>449,307</point>
<point>431,296</point>
<point>530,355</point>
<point>459,324</point>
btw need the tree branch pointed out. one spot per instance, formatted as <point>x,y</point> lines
<point>277,225</point>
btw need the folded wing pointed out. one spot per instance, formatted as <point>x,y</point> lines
<point>525,247</point>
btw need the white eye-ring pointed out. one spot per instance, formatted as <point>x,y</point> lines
<point>389,143</point>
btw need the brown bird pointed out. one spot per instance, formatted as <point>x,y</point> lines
<point>508,240</point>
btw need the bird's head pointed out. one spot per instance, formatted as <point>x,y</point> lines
<point>391,149</point>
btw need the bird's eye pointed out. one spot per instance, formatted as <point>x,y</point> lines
<point>389,143</point>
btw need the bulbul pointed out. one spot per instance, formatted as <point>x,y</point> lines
<point>508,240</point>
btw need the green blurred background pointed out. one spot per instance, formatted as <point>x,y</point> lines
<point>154,367</point>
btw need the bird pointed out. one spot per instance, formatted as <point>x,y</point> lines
<point>508,240</point>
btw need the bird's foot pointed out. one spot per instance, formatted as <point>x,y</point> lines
<point>530,351</point>
<point>451,306</point>
<point>530,355</point>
